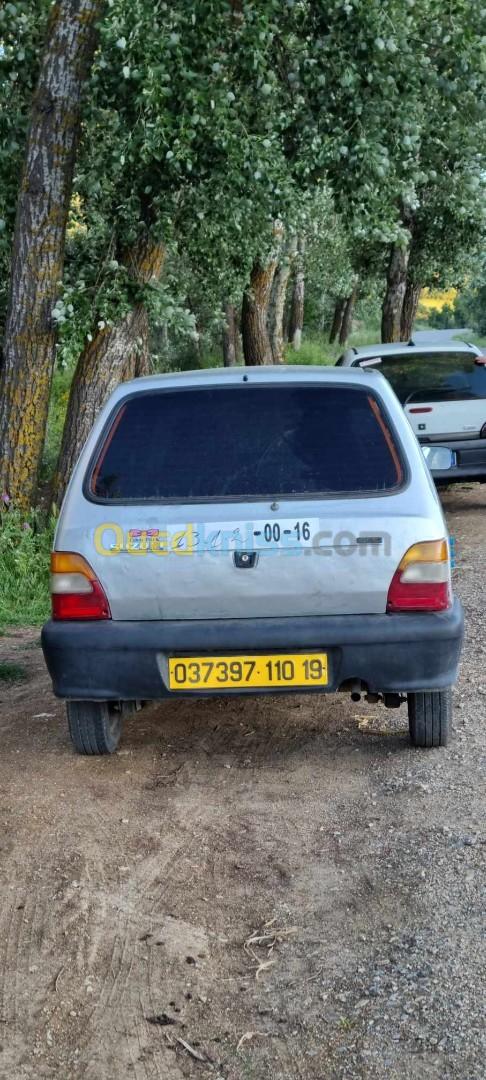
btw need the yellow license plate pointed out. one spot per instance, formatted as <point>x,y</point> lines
<point>247,672</point>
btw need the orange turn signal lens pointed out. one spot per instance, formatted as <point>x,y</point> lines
<point>429,551</point>
<point>69,562</point>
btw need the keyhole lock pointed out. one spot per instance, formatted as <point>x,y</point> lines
<point>244,560</point>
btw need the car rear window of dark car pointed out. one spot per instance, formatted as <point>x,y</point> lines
<point>446,376</point>
<point>245,442</point>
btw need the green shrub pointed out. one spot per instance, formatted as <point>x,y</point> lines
<point>25,545</point>
<point>11,673</point>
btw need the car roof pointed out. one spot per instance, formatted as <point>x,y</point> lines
<point>281,373</point>
<point>400,348</point>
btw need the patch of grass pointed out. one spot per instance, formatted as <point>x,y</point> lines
<point>346,1023</point>
<point>315,348</point>
<point>476,339</point>
<point>11,673</point>
<point>313,351</point>
<point>25,545</point>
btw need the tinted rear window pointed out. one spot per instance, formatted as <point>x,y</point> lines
<point>246,442</point>
<point>448,376</point>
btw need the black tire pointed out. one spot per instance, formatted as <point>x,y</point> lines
<point>430,718</point>
<point>94,726</point>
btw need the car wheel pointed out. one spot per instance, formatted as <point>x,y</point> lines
<point>94,726</point>
<point>429,717</point>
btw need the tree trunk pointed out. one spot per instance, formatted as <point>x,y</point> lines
<point>238,341</point>
<point>113,355</point>
<point>297,303</point>
<point>347,319</point>
<point>38,244</point>
<point>256,341</point>
<point>395,292</point>
<point>337,319</point>
<point>409,310</point>
<point>276,311</point>
<point>230,333</point>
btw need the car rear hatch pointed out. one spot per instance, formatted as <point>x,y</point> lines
<point>247,501</point>
<point>443,392</point>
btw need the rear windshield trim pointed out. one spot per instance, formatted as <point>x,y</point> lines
<point>158,500</point>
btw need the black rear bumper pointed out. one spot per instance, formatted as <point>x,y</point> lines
<point>125,660</point>
<point>470,460</point>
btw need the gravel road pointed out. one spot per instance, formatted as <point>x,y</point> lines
<point>277,888</point>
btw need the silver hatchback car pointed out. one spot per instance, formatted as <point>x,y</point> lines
<point>245,531</point>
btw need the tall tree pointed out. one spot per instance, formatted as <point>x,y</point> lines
<point>230,335</point>
<point>396,283</point>
<point>337,319</point>
<point>114,354</point>
<point>187,158</point>
<point>276,312</point>
<point>411,302</point>
<point>296,322</point>
<point>38,246</point>
<point>444,211</point>
<point>22,37</point>
<point>347,319</point>
<point>257,348</point>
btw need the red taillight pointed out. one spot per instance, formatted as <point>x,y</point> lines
<point>422,580</point>
<point>76,592</point>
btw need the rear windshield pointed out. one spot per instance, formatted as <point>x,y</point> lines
<point>447,376</point>
<point>245,442</point>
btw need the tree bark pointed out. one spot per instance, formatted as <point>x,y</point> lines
<point>347,319</point>
<point>396,282</point>
<point>297,303</point>
<point>337,319</point>
<point>113,355</point>
<point>256,341</point>
<point>409,309</point>
<point>276,311</point>
<point>238,341</point>
<point>230,333</point>
<point>38,244</point>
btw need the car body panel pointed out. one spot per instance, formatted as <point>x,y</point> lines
<point>445,420</point>
<point>337,573</point>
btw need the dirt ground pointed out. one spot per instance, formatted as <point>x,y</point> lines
<point>264,888</point>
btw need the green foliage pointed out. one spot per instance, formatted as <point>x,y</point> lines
<point>184,137</point>
<point>470,307</point>
<point>25,545</point>
<point>350,122</point>
<point>445,319</point>
<point>205,126</point>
